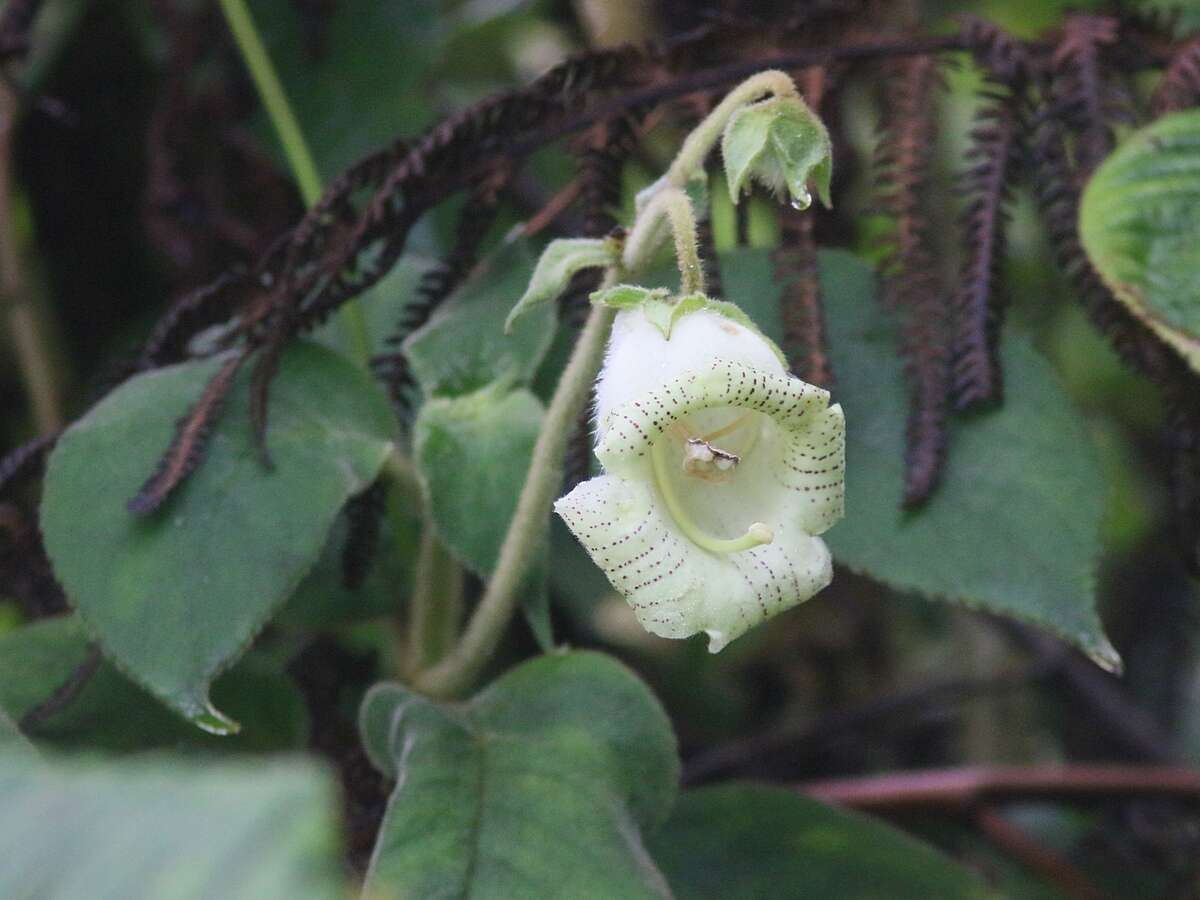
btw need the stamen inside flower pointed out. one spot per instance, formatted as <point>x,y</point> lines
<point>703,460</point>
<point>708,463</point>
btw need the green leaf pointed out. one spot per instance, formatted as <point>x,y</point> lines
<point>167,830</point>
<point>383,306</point>
<point>323,600</point>
<point>541,786</point>
<point>463,348</point>
<point>12,742</point>
<point>556,266</point>
<point>1014,527</point>
<point>176,598</point>
<point>112,713</point>
<point>474,453</point>
<point>365,86</point>
<point>781,144</point>
<point>746,841</point>
<point>1138,223</point>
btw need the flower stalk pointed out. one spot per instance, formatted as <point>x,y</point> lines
<point>482,634</point>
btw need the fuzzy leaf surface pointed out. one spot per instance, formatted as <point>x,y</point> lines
<point>1139,224</point>
<point>543,785</point>
<point>474,452</point>
<point>166,829</point>
<point>176,598</point>
<point>464,348</point>
<point>556,266</point>
<point>1015,527</point>
<point>113,714</point>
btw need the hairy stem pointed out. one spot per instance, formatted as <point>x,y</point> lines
<point>436,603</point>
<point>482,635</point>
<point>671,206</point>
<point>697,146</point>
<point>300,160</point>
<point>667,198</point>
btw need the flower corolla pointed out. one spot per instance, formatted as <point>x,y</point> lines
<point>720,472</point>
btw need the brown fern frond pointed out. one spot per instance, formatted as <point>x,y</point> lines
<point>1080,87</point>
<point>460,145</point>
<point>364,521</point>
<point>1058,193</point>
<point>1057,184</point>
<point>27,461</point>
<point>978,302</point>
<point>994,156</point>
<point>903,160</point>
<point>436,286</point>
<point>910,285</point>
<point>998,53</point>
<point>311,235</point>
<point>801,303</point>
<point>1179,87</point>
<point>190,442</point>
<point>191,313</point>
<point>797,271</point>
<point>265,368</point>
<point>602,152</point>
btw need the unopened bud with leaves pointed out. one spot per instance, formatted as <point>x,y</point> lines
<point>782,145</point>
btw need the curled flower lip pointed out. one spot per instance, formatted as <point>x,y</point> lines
<point>720,472</point>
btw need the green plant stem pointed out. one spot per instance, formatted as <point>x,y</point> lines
<point>436,604</point>
<point>300,160</point>
<point>669,204</point>
<point>32,352</point>
<point>486,627</point>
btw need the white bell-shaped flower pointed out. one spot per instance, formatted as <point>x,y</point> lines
<point>720,470</point>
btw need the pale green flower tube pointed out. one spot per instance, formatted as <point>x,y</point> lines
<point>720,470</point>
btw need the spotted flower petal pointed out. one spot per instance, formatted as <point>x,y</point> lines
<point>720,470</point>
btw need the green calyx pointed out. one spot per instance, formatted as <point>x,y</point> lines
<point>781,144</point>
<point>663,310</point>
